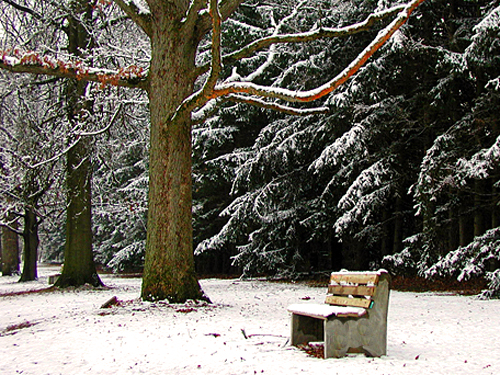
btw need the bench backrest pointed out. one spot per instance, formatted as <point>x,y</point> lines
<point>353,289</point>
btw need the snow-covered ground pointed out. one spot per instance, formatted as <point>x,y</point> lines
<point>245,331</point>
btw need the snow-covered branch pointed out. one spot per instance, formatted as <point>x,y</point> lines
<point>138,13</point>
<point>24,9</point>
<point>200,98</point>
<point>321,91</point>
<point>277,107</point>
<point>107,127</point>
<point>320,33</point>
<point>16,61</point>
<point>226,8</point>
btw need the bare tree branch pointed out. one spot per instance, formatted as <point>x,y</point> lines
<point>31,62</point>
<point>141,18</point>
<point>321,33</point>
<point>311,95</point>
<point>310,36</point>
<point>226,8</point>
<point>34,14</point>
<point>23,9</point>
<point>192,13</point>
<point>199,98</point>
<point>106,128</point>
<point>277,107</point>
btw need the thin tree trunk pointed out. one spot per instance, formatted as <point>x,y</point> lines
<point>397,243</point>
<point>10,251</point>
<point>495,212</point>
<point>30,236</point>
<point>453,231</point>
<point>385,248</point>
<point>480,211</point>
<point>466,229</point>
<point>169,264</point>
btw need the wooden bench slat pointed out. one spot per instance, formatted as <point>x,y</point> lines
<point>346,301</point>
<point>354,278</point>
<point>354,290</point>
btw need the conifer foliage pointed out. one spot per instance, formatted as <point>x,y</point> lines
<point>401,171</point>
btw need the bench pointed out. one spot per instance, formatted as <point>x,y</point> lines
<point>353,318</point>
<point>52,279</point>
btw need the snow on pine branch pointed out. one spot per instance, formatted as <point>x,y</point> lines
<point>472,260</point>
<point>335,153</point>
<point>371,178</point>
<point>481,164</point>
<point>368,192</point>
<point>240,207</point>
<point>490,22</point>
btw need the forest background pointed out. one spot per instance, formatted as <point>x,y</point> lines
<point>400,169</point>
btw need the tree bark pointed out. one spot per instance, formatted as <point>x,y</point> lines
<point>397,243</point>
<point>466,231</point>
<point>30,236</point>
<point>79,267</point>
<point>169,264</point>
<point>10,251</point>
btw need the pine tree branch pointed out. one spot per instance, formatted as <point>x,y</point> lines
<point>311,95</point>
<point>31,62</point>
<point>140,17</point>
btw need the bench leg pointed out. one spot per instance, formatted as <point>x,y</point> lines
<point>354,336</point>
<point>337,340</point>
<point>305,329</point>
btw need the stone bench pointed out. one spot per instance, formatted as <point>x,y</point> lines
<point>353,318</point>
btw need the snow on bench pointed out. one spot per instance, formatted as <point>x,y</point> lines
<point>353,318</point>
<point>326,311</point>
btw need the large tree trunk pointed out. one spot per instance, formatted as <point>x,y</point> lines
<point>30,236</point>
<point>169,265</point>
<point>10,251</point>
<point>79,267</point>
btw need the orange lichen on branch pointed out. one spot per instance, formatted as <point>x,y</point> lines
<point>102,4</point>
<point>130,73</point>
<point>321,91</point>
<point>18,61</point>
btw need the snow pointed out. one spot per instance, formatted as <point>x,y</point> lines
<point>244,331</point>
<point>325,311</point>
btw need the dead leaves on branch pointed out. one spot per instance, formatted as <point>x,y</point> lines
<point>19,61</point>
